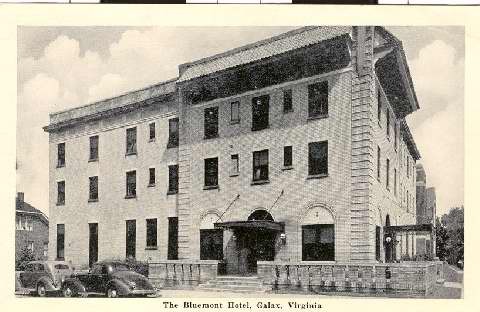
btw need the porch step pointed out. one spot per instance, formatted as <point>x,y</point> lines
<point>241,284</point>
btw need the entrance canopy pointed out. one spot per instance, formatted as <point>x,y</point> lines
<point>252,224</point>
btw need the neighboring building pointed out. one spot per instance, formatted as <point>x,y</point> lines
<point>426,213</point>
<point>31,229</point>
<point>294,148</point>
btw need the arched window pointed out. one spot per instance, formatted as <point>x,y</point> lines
<point>260,215</point>
<point>318,235</point>
<point>211,239</point>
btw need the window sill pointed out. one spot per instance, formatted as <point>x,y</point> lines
<point>93,160</point>
<point>151,248</point>
<point>287,168</point>
<point>172,192</point>
<point>259,182</point>
<point>93,200</point>
<point>151,140</point>
<point>210,137</point>
<point>288,111</point>
<point>317,176</point>
<point>317,117</point>
<point>60,204</point>
<point>235,174</point>
<point>60,166</point>
<point>210,187</point>
<point>172,145</point>
<point>130,196</point>
<point>130,154</point>
<point>234,122</point>
<point>151,185</point>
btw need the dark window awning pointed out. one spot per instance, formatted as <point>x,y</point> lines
<point>253,224</point>
<point>409,228</point>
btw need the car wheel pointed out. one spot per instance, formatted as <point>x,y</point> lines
<point>112,292</point>
<point>68,292</point>
<point>41,290</point>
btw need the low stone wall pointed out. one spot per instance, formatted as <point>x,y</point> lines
<point>409,278</point>
<point>182,273</point>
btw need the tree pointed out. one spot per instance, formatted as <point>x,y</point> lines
<point>25,256</point>
<point>450,236</point>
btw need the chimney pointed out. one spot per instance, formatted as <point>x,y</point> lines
<point>20,197</point>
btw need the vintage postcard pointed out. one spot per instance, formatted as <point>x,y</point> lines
<point>239,164</point>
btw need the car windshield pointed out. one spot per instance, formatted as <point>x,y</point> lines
<point>115,267</point>
<point>61,267</point>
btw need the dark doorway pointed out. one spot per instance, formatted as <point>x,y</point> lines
<point>131,238</point>
<point>93,244</point>
<point>60,241</point>
<point>254,245</point>
<point>389,242</point>
<point>377,243</point>
<point>211,244</point>
<point>172,238</point>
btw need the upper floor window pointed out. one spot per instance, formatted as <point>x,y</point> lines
<point>93,148</point>
<point>287,156</point>
<point>287,101</point>
<point>151,131</point>
<point>388,173</point>
<point>388,123</point>
<point>173,179</point>
<point>151,177</point>
<point>395,181</point>
<point>395,136</point>
<point>379,105</point>
<point>93,188</point>
<point>61,155</point>
<point>131,141</point>
<point>318,99</point>
<point>378,163</point>
<point>151,233</point>
<point>260,165</point>
<point>172,133</point>
<point>131,178</point>
<point>235,112</point>
<point>61,193</point>
<point>318,158</point>
<point>260,111</point>
<point>211,172</point>
<point>234,170</point>
<point>211,122</point>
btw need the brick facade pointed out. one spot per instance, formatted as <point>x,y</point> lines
<point>350,195</point>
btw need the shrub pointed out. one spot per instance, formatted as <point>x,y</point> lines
<point>25,256</point>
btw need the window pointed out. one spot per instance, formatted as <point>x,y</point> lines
<point>235,112</point>
<point>395,136</point>
<point>395,181</point>
<point>151,177</point>
<point>287,101</point>
<point>61,193</point>
<point>211,122</point>
<point>60,241</point>
<point>131,141</point>
<point>260,111</point>
<point>151,131</point>
<point>93,148</point>
<point>61,155</point>
<point>318,99</point>
<point>93,193</point>
<point>131,184</point>
<point>379,105</point>
<point>318,242</point>
<point>318,158</point>
<point>235,166</point>
<point>30,246</point>
<point>408,201</point>
<point>172,133</point>
<point>130,238</point>
<point>211,244</point>
<point>388,173</point>
<point>287,156</point>
<point>378,163</point>
<point>151,233</point>
<point>377,243</point>
<point>172,238</point>
<point>408,166</point>
<point>388,123</point>
<point>260,165</point>
<point>45,250</point>
<point>173,179</point>
<point>211,172</point>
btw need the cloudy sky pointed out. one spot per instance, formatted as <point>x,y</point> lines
<point>64,67</point>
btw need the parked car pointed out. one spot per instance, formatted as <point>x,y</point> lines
<point>109,278</point>
<point>45,277</point>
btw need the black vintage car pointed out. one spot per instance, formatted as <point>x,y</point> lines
<point>44,277</point>
<point>110,278</point>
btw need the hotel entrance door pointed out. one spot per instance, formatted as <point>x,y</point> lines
<point>254,245</point>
